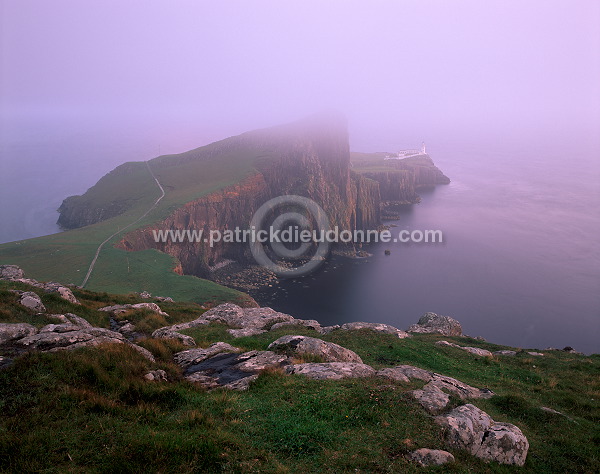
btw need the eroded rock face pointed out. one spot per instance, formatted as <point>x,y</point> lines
<point>10,332</point>
<point>32,301</point>
<point>232,370</point>
<point>377,327</point>
<point>430,457</point>
<point>11,272</point>
<point>471,429</point>
<point>435,323</point>
<point>332,370</point>
<point>303,345</point>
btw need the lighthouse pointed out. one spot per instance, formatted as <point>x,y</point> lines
<point>423,152</point>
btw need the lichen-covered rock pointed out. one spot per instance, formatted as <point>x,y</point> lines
<point>432,398</point>
<point>377,327</point>
<point>80,337</point>
<point>393,374</point>
<point>194,356</point>
<point>246,332</point>
<point>166,333</point>
<point>303,345</point>
<point>505,353</point>
<point>236,317</point>
<point>435,323</point>
<point>430,457</point>
<point>308,323</point>
<point>32,301</point>
<point>123,308</point>
<point>332,370</point>
<point>10,332</point>
<point>471,429</point>
<point>11,272</point>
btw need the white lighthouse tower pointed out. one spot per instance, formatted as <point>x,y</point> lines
<point>423,152</point>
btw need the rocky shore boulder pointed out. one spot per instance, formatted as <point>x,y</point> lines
<point>303,345</point>
<point>435,323</point>
<point>471,429</point>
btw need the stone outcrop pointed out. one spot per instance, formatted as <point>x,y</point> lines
<point>332,370</point>
<point>471,429</point>
<point>377,327</point>
<point>303,345</point>
<point>473,350</point>
<point>11,272</point>
<point>430,457</point>
<point>232,370</point>
<point>434,396</point>
<point>10,332</point>
<point>434,323</point>
<point>123,308</point>
<point>190,357</point>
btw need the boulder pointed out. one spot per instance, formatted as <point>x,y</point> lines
<point>308,323</point>
<point>471,429</point>
<point>505,353</point>
<point>236,317</point>
<point>166,333</point>
<point>145,295</point>
<point>10,332</point>
<point>32,301</point>
<point>432,398</point>
<point>49,340</point>
<point>303,345</point>
<point>377,327</point>
<point>123,308</point>
<point>66,294</point>
<point>435,323</point>
<point>393,374</point>
<point>430,457</point>
<point>194,356</point>
<point>11,272</point>
<point>535,354</point>
<point>332,370</point>
<point>246,332</point>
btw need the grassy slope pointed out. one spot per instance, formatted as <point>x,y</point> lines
<point>90,410</point>
<point>67,255</point>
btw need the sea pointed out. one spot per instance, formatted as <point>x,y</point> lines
<point>519,263</point>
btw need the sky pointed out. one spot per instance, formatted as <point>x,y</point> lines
<point>399,70</point>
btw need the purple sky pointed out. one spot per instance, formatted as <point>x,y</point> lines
<point>415,68</point>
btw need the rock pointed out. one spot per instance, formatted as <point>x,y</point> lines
<point>127,329</point>
<point>303,345</point>
<point>432,398</point>
<point>194,356</point>
<point>164,299</point>
<point>430,457</point>
<point>473,350</point>
<point>236,317</point>
<point>329,329</point>
<point>166,333</point>
<point>11,272</point>
<point>246,332</point>
<point>434,323</point>
<point>156,376</point>
<point>141,350</point>
<point>535,354</point>
<point>5,362</point>
<point>383,328</point>
<point>332,370</point>
<point>66,294</point>
<point>72,339</point>
<point>392,374</point>
<point>32,301</point>
<point>123,308</point>
<point>145,295</point>
<point>10,332</point>
<point>471,429</point>
<point>308,323</point>
<point>505,353</point>
<point>229,369</point>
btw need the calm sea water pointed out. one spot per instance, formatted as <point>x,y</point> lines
<point>520,264</point>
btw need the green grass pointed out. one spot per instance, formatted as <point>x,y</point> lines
<point>90,410</point>
<point>66,256</point>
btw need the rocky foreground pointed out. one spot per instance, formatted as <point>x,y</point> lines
<point>223,365</point>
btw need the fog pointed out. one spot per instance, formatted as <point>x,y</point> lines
<point>88,85</point>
